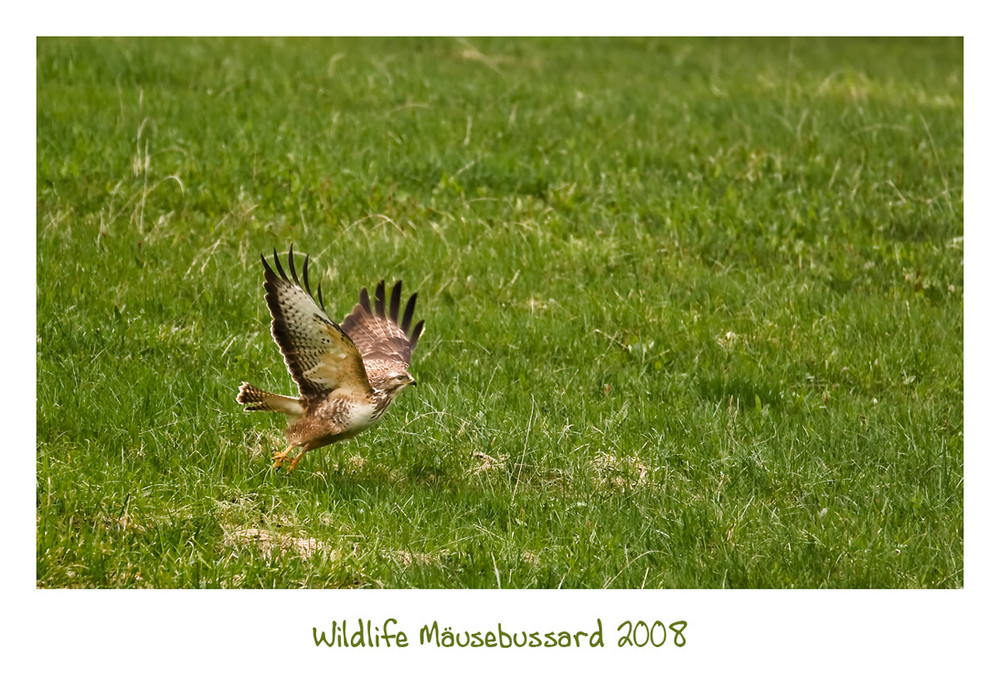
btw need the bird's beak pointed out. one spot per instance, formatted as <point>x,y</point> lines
<point>413,381</point>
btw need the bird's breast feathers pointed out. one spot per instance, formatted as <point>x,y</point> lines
<point>352,412</point>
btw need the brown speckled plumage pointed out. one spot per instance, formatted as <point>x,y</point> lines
<point>347,374</point>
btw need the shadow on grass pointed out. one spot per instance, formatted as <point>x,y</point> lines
<point>748,393</point>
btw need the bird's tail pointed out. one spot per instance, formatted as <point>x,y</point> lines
<point>254,399</point>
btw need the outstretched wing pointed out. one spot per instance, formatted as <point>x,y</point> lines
<point>385,342</point>
<point>320,356</point>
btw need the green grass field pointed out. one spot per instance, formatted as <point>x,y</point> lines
<point>694,311</point>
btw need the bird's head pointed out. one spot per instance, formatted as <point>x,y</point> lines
<point>397,381</point>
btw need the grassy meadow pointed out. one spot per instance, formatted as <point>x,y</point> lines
<point>694,311</point>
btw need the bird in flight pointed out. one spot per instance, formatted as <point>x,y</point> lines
<point>347,374</point>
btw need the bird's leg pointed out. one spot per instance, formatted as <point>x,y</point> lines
<point>281,456</point>
<point>295,461</point>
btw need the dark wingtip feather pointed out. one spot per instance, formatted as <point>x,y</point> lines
<point>305,275</point>
<point>365,303</point>
<point>268,272</point>
<point>380,299</point>
<point>416,334</point>
<point>408,314</point>
<point>394,302</point>
<point>277,265</point>
<point>319,295</point>
<point>291,265</point>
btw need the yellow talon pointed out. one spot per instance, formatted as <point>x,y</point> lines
<point>281,456</point>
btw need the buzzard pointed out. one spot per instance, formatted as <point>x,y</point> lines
<point>347,374</point>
